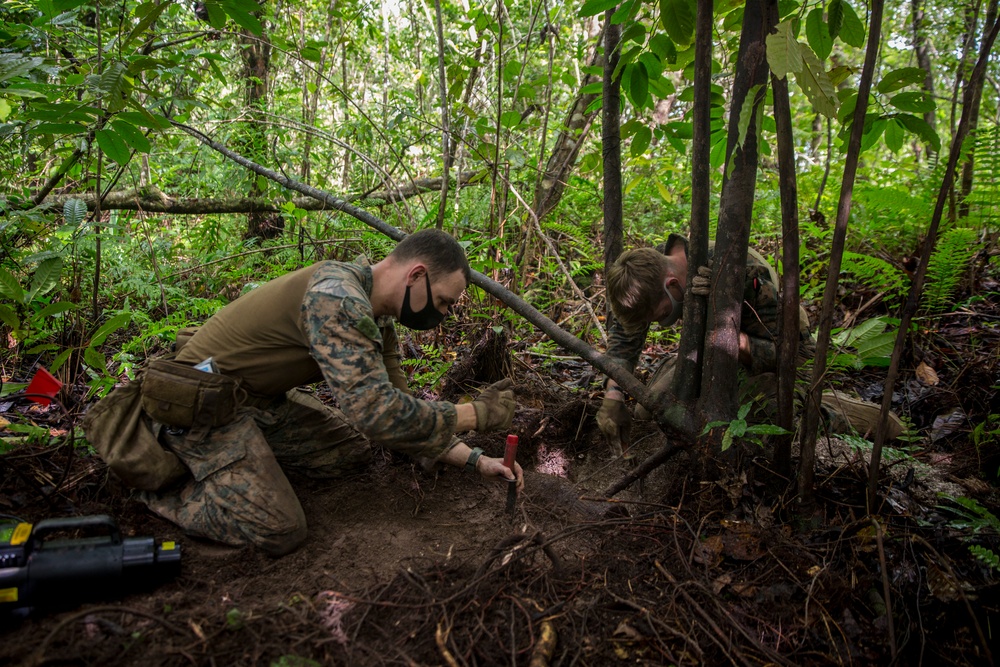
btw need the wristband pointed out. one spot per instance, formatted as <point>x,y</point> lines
<point>470,464</point>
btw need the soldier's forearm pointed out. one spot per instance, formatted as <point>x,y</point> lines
<point>466,418</point>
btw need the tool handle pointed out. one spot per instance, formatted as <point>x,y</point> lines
<point>510,452</point>
<point>88,523</point>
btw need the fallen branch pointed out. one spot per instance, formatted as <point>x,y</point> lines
<point>153,200</point>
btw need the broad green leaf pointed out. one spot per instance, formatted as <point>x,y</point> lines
<point>677,18</point>
<point>311,53</point>
<point>640,142</point>
<point>10,287</point>
<point>216,14</point>
<point>852,31</point>
<point>114,324</point>
<point>74,211</point>
<point>143,118</point>
<point>638,89</point>
<point>900,78</point>
<point>635,32</point>
<point>872,133</point>
<point>13,65</point>
<point>840,73</point>
<point>56,308</point>
<point>835,17</point>
<point>919,127</point>
<point>867,329</point>
<point>742,413</point>
<point>132,136</point>
<point>718,155</point>
<point>4,109</point>
<point>878,346</point>
<point>784,54</point>
<point>766,429</point>
<point>244,18</point>
<point>9,317</point>
<point>654,68</point>
<point>60,360</point>
<point>45,278</point>
<point>738,427</point>
<point>57,128</point>
<point>746,113</point>
<point>595,7</point>
<point>665,194</point>
<point>914,102</point>
<point>816,84</point>
<point>663,47</point>
<point>662,87</point>
<point>510,119</point>
<point>818,34</point>
<point>95,360</point>
<point>144,24</point>
<point>895,133</point>
<point>626,11</point>
<point>113,145</point>
<point>592,89</point>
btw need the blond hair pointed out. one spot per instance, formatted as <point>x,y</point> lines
<point>635,286</point>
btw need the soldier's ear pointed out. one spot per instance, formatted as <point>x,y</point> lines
<point>416,274</point>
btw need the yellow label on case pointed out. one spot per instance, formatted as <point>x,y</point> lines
<point>21,534</point>
<point>8,595</point>
<point>168,546</point>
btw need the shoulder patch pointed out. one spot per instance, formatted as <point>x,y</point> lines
<point>367,326</point>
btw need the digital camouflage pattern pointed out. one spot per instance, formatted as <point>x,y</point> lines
<point>760,318</point>
<point>280,334</point>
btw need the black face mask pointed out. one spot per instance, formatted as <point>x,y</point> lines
<point>428,317</point>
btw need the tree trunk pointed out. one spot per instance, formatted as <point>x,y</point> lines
<point>687,378</point>
<point>788,345</point>
<point>976,99</point>
<point>811,421</point>
<point>719,389</point>
<point>255,53</point>
<point>921,48</point>
<point>611,140</point>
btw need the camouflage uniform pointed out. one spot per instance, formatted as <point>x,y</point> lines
<point>310,325</point>
<point>760,320</point>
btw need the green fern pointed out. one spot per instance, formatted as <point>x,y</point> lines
<point>947,268</point>
<point>985,555</point>
<point>984,199</point>
<point>877,275</point>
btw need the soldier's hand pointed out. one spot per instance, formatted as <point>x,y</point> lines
<point>615,422</point>
<point>701,284</point>
<point>491,467</point>
<point>495,406</point>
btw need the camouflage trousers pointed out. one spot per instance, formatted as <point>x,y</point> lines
<point>237,492</point>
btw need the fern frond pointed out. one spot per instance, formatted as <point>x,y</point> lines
<point>877,275</point>
<point>952,254</point>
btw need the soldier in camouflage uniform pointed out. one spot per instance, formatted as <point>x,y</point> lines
<point>330,321</point>
<point>647,285</point>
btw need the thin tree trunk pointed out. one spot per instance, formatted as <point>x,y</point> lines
<point>687,378</point>
<point>921,49</point>
<point>255,53</point>
<point>611,150</point>
<point>445,121</point>
<point>811,421</point>
<point>718,386</point>
<point>968,167</point>
<point>789,344</point>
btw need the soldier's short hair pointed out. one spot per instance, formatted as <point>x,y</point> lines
<point>635,286</point>
<point>436,248</point>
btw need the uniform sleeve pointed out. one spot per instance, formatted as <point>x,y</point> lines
<point>761,319</point>
<point>347,344</point>
<point>390,357</point>
<point>626,346</point>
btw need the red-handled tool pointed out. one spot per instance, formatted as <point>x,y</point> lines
<point>509,454</point>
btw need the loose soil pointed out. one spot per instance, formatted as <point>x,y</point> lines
<point>414,567</point>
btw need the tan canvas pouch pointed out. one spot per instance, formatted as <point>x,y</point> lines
<point>176,394</point>
<point>123,436</point>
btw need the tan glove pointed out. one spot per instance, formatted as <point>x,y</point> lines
<point>616,423</point>
<point>495,406</point>
<point>701,284</point>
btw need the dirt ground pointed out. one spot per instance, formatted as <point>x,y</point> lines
<point>404,566</point>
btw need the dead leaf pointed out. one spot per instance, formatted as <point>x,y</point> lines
<point>4,423</point>
<point>721,582</point>
<point>927,376</point>
<point>744,589</point>
<point>709,551</point>
<point>627,631</point>
<point>945,587</point>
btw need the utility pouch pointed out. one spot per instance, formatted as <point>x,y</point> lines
<point>125,439</point>
<point>178,395</point>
